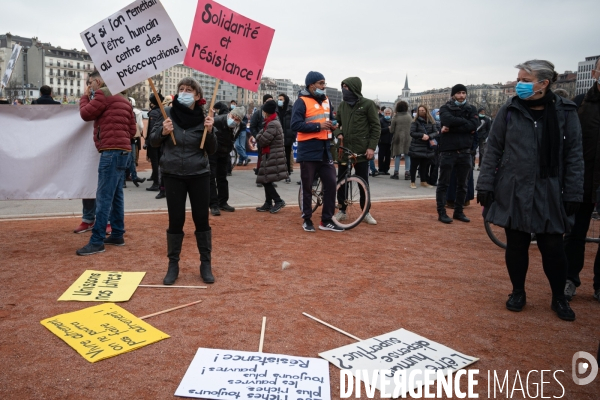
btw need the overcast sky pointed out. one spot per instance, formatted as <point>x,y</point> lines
<point>438,43</point>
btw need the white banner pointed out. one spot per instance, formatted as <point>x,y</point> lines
<point>134,44</point>
<point>46,152</point>
<point>232,375</point>
<point>399,352</point>
<point>11,65</point>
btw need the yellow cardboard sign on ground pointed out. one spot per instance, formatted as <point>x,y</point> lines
<point>103,331</point>
<point>103,286</point>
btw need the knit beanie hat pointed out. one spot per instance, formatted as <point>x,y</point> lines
<point>458,88</point>
<point>239,112</point>
<point>312,77</point>
<point>266,97</point>
<point>153,99</point>
<point>270,107</point>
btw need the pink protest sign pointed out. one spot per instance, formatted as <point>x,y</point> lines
<point>228,46</point>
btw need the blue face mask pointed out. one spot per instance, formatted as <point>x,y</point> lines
<point>525,90</point>
<point>319,92</point>
<point>233,106</point>
<point>460,103</point>
<point>437,117</point>
<point>186,99</point>
<point>280,103</point>
<point>230,122</point>
<point>387,117</point>
<point>481,115</point>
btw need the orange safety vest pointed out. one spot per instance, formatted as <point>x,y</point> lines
<point>315,113</point>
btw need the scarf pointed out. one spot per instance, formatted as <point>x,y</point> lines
<point>349,97</point>
<point>185,117</point>
<point>267,149</point>
<point>549,153</point>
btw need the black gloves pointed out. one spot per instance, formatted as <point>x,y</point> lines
<point>485,198</point>
<point>571,207</point>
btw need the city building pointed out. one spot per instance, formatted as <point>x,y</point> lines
<point>584,74</point>
<point>66,72</point>
<point>335,97</point>
<point>267,86</point>
<point>567,82</point>
<point>28,72</point>
<point>287,87</point>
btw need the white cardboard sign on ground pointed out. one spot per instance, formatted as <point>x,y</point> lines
<point>134,44</point>
<point>401,351</point>
<point>229,374</point>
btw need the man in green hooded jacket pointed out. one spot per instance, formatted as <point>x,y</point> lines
<point>359,125</point>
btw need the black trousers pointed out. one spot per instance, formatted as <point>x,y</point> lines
<point>384,156</point>
<point>434,168</point>
<point>575,246</point>
<point>154,155</point>
<point>423,165</point>
<point>361,169</point>
<point>177,189</point>
<point>462,162</point>
<point>271,194</point>
<point>289,158</point>
<point>219,187</point>
<point>553,259</point>
<point>326,170</point>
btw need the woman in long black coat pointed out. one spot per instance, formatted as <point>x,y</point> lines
<point>532,179</point>
<point>424,132</point>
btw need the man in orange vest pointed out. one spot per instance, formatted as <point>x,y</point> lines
<point>311,119</point>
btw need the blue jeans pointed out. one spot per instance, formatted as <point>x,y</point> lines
<point>372,165</point>
<point>406,163</point>
<point>131,162</point>
<point>111,175</point>
<point>89,210</point>
<point>240,146</point>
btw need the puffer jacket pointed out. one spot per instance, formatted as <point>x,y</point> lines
<point>420,148</point>
<point>186,158</point>
<point>359,123</point>
<point>285,117</point>
<point>400,129</point>
<point>273,166</point>
<point>114,122</point>
<point>523,200</point>
<point>225,136</point>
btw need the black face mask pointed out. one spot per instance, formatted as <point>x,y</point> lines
<point>349,97</point>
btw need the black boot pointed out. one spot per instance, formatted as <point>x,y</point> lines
<point>174,242</point>
<point>443,217</point>
<point>204,242</point>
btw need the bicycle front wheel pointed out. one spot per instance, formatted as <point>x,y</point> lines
<point>233,155</point>
<point>496,234</point>
<point>354,198</point>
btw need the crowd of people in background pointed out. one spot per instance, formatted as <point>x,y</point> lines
<point>538,162</point>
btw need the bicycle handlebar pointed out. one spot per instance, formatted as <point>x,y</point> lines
<point>350,152</point>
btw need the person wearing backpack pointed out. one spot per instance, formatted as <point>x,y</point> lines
<point>531,180</point>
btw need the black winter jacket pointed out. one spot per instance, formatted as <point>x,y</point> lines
<point>225,136</point>
<point>420,148</point>
<point>45,99</point>
<point>285,118</point>
<point>386,135</point>
<point>462,121</point>
<point>186,158</point>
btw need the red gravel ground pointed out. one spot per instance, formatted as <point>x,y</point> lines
<point>445,282</point>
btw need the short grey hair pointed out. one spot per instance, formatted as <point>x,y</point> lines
<point>542,69</point>
<point>388,109</point>
<point>191,82</point>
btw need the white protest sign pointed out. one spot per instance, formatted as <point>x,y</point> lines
<point>229,374</point>
<point>134,44</point>
<point>11,65</point>
<point>399,352</point>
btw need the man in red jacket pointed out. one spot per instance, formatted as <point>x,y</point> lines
<point>114,127</point>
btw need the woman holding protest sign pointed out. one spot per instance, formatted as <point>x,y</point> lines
<point>185,169</point>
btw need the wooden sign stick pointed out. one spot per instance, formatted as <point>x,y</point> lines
<point>162,108</point>
<point>262,335</point>
<point>332,327</point>
<point>210,110</point>
<point>170,309</point>
<point>172,286</point>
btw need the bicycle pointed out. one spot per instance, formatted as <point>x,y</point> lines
<point>348,190</point>
<point>233,155</point>
<point>498,236</point>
